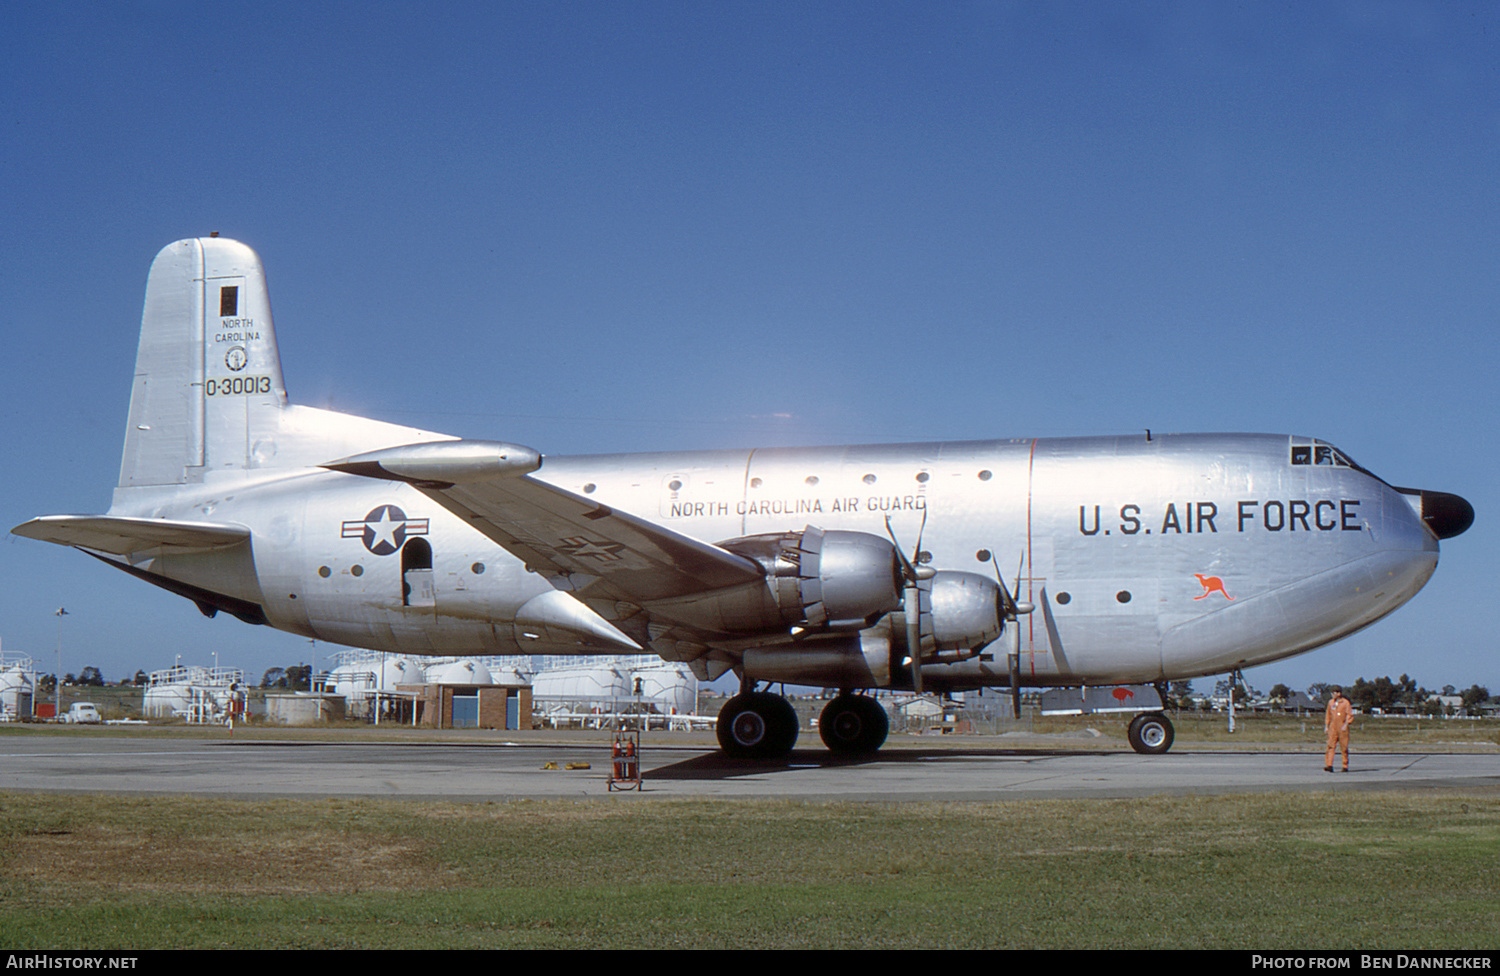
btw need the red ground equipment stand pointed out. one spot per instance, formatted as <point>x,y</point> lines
<point>625,762</point>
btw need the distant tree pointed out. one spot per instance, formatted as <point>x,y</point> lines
<point>47,684</point>
<point>274,678</point>
<point>1473,697</point>
<point>141,679</point>
<point>91,677</point>
<point>1241,692</point>
<point>1449,690</point>
<point>1380,693</point>
<point>1318,691</point>
<point>299,677</point>
<point>1179,694</point>
<point>1280,692</point>
<point>69,680</point>
<point>1408,693</point>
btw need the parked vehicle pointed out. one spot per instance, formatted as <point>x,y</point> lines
<point>82,713</point>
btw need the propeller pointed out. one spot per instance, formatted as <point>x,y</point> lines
<point>1013,611</point>
<point>911,599</point>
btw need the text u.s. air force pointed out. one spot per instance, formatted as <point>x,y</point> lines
<point>1275,515</point>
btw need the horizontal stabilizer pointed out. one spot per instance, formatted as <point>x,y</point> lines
<point>121,536</point>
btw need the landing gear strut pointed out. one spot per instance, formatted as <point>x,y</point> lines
<point>757,725</point>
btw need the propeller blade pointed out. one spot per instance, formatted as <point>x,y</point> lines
<point>1013,611</point>
<point>1008,605</point>
<point>1015,684</point>
<point>911,599</point>
<point>908,571</point>
<point>912,610</point>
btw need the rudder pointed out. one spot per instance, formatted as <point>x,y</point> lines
<point>208,387</point>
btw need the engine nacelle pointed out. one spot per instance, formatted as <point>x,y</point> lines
<point>846,660</point>
<point>833,580</point>
<point>960,612</point>
<point>836,579</point>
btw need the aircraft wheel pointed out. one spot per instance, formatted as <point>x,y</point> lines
<point>853,724</point>
<point>1150,734</point>
<point>757,725</point>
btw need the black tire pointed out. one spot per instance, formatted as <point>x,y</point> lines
<point>1151,734</point>
<point>853,724</point>
<point>757,725</point>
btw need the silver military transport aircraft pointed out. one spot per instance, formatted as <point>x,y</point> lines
<point>936,566</point>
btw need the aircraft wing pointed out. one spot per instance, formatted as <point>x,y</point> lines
<point>122,536</point>
<point>571,539</point>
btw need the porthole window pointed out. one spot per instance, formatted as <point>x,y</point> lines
<point>754,482</point>
<point>1123,596</point>
<point>811,479</point>
<point>478,569</point>
<point>588,489</point>
<point>982,555</point>
<point>1065,598</point>
<point>324,572</point>
<point>357,570</point>
<point>869,479</point>
<point>986,475</point>
<point>922,476</point>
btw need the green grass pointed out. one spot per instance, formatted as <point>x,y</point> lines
<point>1404,870</point>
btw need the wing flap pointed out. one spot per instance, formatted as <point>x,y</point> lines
<point>121,536</point>
<point>572,539</point>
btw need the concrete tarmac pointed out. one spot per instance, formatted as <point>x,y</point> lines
<point>505,766</point>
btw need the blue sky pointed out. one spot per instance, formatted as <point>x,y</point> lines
<point>620,226</point>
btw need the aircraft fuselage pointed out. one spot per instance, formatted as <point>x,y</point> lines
<point>1155,559</point>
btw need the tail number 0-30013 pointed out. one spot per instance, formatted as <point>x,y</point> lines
<point>237,386</point>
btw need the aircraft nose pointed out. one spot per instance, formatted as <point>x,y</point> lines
<point>1445,514</point>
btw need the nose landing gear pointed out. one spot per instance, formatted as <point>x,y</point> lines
<point>1150,733</point>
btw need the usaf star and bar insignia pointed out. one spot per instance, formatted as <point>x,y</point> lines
<point>384,530</point>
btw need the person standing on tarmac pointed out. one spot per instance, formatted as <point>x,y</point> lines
<point>1336,724</point>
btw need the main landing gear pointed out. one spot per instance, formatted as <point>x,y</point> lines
<point>853,724</point>
<point>762,725</point>
<point>757,725</point>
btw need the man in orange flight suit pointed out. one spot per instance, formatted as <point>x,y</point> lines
<point>1336,724</point>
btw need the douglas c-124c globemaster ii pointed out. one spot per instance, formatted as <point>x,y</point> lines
<point>1129,559</point>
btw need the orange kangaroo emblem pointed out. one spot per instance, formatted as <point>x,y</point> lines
<point>1211,584</point>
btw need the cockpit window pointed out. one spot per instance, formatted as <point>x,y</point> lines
<point>1315,452</point>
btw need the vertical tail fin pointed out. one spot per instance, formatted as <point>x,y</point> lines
<point>208,383</point>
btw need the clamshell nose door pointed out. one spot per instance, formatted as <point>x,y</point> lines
<point>1445,514</point>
